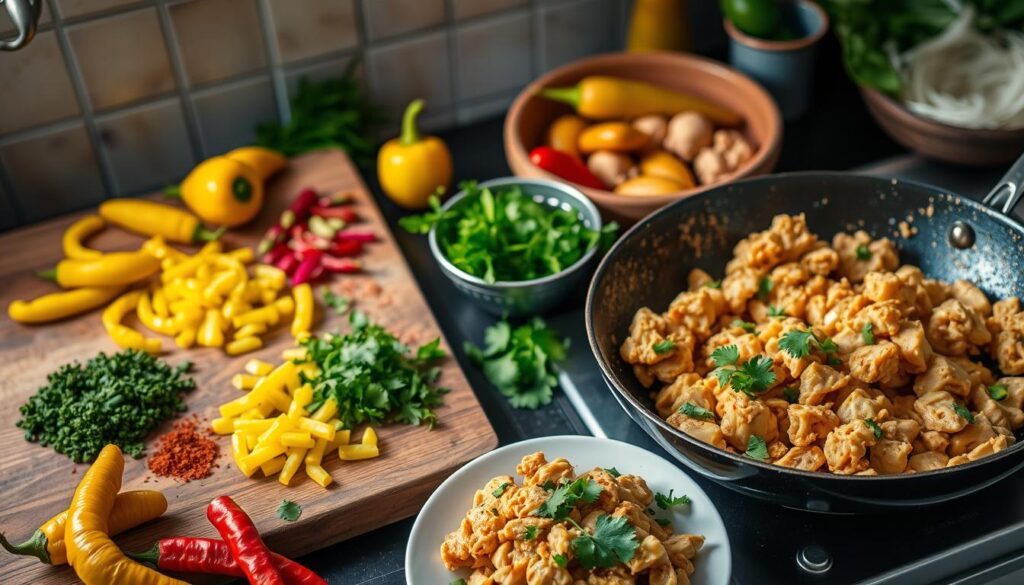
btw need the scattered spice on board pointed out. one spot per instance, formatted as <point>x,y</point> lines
<point>186,452</point>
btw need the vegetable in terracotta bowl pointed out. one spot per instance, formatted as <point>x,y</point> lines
<point>635,132</point>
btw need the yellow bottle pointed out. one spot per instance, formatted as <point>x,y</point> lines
<point>658,25</point>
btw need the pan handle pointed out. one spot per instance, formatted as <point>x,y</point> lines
<point>1007,192</point>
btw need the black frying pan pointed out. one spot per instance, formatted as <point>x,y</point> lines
<point>957,238</point>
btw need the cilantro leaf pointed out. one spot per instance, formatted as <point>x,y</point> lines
<point>867,333</point>
<point>796,343</point>
<point>339,303</point>
<point>531,532</point>
<point>663,521</point>
<point>877,430</point>
<point>791,394</point>
<point>458,582</point>
<point>826,345</point>
<point>725,355</point>
<point>665,346</point>
<point>745,325</point>
<point>520,362</point>
<point>560,560</point>
<point>963,412</point>
<point>754,376</point>
<point>997,391</point>
<point>431,351</point>
<point>501,489</point>
<point>694,411</point>
<point>613,472</point>
<point>774,311</point>
<point>757,448</point>
<point>613,541</point>
<point>863,253</point>
<point>668,502</point>
<point>713,284</point>
<point>289,510</point>
<point>564,497</point>
<point>764,287</point>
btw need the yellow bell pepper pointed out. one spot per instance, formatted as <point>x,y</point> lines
<point>62,304</point>
<point>229,189</point>
<point>113,269</point>
<point>412,167</point>
<point>601,97</point>
<point>78,231</point>
<point>156,219</point>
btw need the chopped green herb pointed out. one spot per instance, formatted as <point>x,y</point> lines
<point>694,411</point>
<point>757,448</point>
<point>560,560</point>
<point>713,284</point>
<point>863,253</point>
<point>799,343</point>
<point>867,333</point>
<point>564,498</point>
<point>877,430</point>
<point>521,362</point>
<point>725,355</point>
<point>791,394</point>
<point>372,377</point>
<point>494,511</point>
<point>963,412</point>
<point>668,502</point>
<point>745,325</point>
<point>531,532</point>
<point>776,312</point>
<point>613,541</point>
<point>664,346</point>
<point>613,472</point>
<point>997,391</point>
<point>501,489</point>
<point>505,235</point>
<point>339,303</point>
<point>548,485</point>
<point>289,511</point>
<point>663,521</point>
<point>752,377</point>
<point>458,582</point>
<point>764,287</point>
<point>833,361</point>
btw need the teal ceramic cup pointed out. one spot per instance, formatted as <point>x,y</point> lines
<point>784,68</point>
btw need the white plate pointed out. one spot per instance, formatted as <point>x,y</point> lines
<point>447,506</point>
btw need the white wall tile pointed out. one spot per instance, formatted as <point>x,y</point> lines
<point>228,115</point>
<point>148,146</point>
<point>572,30</point>
<point>388,18</point>
<point>417,68</point>
<point>493,55</point>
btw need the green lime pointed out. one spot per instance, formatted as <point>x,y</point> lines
<point>759,18</point>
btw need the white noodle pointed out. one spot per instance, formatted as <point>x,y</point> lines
<point>964,78</point>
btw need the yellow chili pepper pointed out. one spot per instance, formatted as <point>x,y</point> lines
<point>59,305</point>
<point>411,167</point>
<point>211,332</point>
<point>154,322</point>
<point>613,136</point>
<point>95,558</point>
<point>601,97</point>
<point>647,185</point>
<point>157,246</point>
<point>78,231</point>
<point>243,345</point>
<point>302,321</point>
<point>156,219</point>
<point>115,268</point>
<point>130,510</point>
<point>564,133</point>
<point>228,190</point>
<point>126,337</point>
<point>666,165</point>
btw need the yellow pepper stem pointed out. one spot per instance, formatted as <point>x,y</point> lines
<point>35,546</point>
<point>48,274</point>
<point>410,135</point>
<point>566,95</point>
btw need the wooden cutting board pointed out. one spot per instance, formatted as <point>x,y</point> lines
<point>36,482</point>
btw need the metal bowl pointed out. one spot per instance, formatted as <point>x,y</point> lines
<point>526,297</point>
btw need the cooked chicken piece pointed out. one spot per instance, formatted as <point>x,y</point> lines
<point>846,447</point>
<point>903,407</point>
<point>705,430</point>
<point>555,472</point>
<point>809,458</point>
<point>809,424</point>
<point>682,548</point>
<point>821,261</point>
<point>1006,412</point>
<point>859,255</point>
<point>843,313</point>
<point>974,434</point>
<point>848,341</point>
<point>529,464</point>
<point>861,404</point>
<point>1008,350</point>
<point>818,381</point>
<point>780,408</point>
<point>882,286</point>
<point>890,457</point>
<point>633,488</point>
<point>545,571</point>
<point>697,279</point>
<point>610,496</point>
<point>647,330</point>
<point>971,297</point>
<point>937,291</point>
<point>516,528</point>
<point>954,329</point>
<point>943,374</point>
<point>694,311</point>
<point>915,352</point>
<point>650,553</point>
<point>875,363</point>
<point>883,316</point>
<point>686,388</point>
<point>977,371</point>
<point>938,413</point>
<point>901,429</point>
<point>989,447</point>
<point>740,286</point>
<point>928,461</point>
<point>744,417</point>
<point>931,441</point>
<point>914,294</point>
<point>486,497</point>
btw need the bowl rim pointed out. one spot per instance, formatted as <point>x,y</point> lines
<point>904,115</point>
<point>769,45</point>
<point>765,151</point>
<point>650,416</point>
<point>565,188</point>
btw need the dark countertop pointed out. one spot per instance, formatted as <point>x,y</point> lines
<point>839,135</point>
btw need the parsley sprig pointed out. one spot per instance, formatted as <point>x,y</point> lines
<point>757,448</point>
<point>289,511</point>
<point>695,411</point>
<point>667,502</point>
<point>751,377</point>
<point>564,498</point>
<point>998,391</point>
<point>963,412</point>
<point>799,343</point>
<point>875,429</point>
<point>867,333</point>
<point>613,541</point>
<point>521,362</point>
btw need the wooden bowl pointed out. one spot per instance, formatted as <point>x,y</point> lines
<point>965,146</point>
<point>530,116</point>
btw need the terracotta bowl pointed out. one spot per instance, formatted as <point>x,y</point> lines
<point>964,146</point>
<point>529,117</point>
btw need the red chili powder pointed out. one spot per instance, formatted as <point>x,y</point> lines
<point>184,453</point>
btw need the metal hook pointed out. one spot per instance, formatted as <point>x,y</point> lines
<point>1007,192</point>
<point>25,16</point>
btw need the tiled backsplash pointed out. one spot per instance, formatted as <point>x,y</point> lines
<point>121,97</point>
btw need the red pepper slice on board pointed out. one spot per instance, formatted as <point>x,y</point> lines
<point>213,557</point>
<point>241,536</point>
<point>565,166</point>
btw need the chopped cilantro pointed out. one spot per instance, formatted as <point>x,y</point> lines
<point>531,532</point>
<point>289,511</point>
<point>867,333</point>
<point>834,361</point>
<point>863,253</point>
<point>877,430</point>
<point>520,362</point>
<point>668,502</point>
<point>776,312</point>
<point>564,498</point>
<point>997,391</point>
<point>963,412</point>
<point>339,303</point>
<point>791,394</point>
<point>764,287</point>
<point>458,582</point>
<point>663,521</point>
<point>799,343</point>
<point>560,560</point>
<point>745,325</point>
<point>612,471</point>
<point>713,284</point>
<point>752,377</point>
<point>694,411</point>
<point>664,346</point>
<point>757,448</point>
<point>501,489</point>
<point>725,355</point>
<point>613,541</point>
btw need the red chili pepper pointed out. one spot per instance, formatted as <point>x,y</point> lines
<point>241,536</point>
<point>355,236</point>
<point>311,258</point>
<point>271,238</point>
<point>301,205</point>
<point>276,253</point>
<point>336,199</point>
<point>213,557</point>
<point>288,263</point>
<point>341,265</point>
<point>565,166</point>
<point>346,248</point>
<point>345,214</point>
